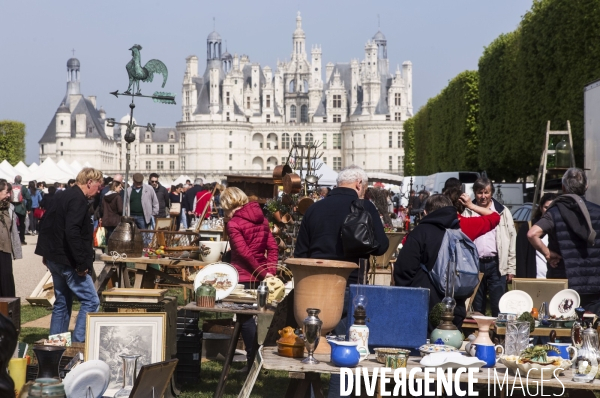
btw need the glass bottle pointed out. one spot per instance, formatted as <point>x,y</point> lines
<point>563,154</point>
<point>586,363</point>
<point>129,374</point>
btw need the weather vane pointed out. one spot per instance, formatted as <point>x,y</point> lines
<point>138,73</point>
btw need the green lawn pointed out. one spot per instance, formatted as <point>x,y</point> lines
<point>268,384</point>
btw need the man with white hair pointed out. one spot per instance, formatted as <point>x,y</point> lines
<point>320,237</point>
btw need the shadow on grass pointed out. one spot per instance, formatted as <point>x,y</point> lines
<point>268,384</point>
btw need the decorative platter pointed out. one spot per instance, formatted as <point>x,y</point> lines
<point>515,302</point>
<point>451,360</point>
<point>564,303</point>
<point>222,276</point>
<point>426,349</point>
<point>92,375</point>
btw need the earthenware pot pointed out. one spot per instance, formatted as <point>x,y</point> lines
<point>320,284</point>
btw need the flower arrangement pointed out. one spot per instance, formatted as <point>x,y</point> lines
<point>389,228</point>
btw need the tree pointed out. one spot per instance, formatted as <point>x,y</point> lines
<point>12,141</point>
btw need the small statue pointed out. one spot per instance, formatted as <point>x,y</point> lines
<point>145,73</point>
<point>8,343</point>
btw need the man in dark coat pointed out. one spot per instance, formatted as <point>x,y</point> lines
<point>65,244</point>
<point>422,247</point>
<point>161,194</point>
<point>320,235</point>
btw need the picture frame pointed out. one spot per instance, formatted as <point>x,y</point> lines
<point>110,334</point>
<point>540,290</point>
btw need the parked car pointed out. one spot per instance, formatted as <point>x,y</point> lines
<point>522,214</point>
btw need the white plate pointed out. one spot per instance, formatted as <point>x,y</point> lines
<point>451,360</point>
<point>94,375</point>
<point>515,302</point>
<point>223,276</point>
<point>564,303</point>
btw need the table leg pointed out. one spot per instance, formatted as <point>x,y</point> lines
<point>239,320</point>
<point>140,270</point>
<point>106,276</point>
<point>301,384</point>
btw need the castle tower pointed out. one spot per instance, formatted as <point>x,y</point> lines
<point>63,122</point>
<point>73,66</point>
<point>382,59</point>
<point>299,40</point>
<point>407,75</point>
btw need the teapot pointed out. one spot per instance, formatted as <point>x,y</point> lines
<point>344,354</point>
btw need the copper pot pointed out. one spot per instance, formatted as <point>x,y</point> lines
<point>277,216</point>
<point>287,218</point>
<point>304,204</point>
<point>292,183</point>
<point>280,171</point>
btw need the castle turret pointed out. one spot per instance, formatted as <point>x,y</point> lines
<point>299,40</point>
<point>63,122</point>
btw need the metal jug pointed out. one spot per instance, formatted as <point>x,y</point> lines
<point>126,238</point>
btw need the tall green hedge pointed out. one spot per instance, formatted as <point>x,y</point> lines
<point>12,141</point>
<point>409,147</point>
<point>535,74</point>
<point>445,130</point>
<point>527,77</point>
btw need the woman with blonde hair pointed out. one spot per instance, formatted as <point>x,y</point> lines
<point>249,237</point>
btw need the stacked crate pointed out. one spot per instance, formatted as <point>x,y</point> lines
<point>189,347</point>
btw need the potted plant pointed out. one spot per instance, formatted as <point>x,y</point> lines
<point>273,208</point>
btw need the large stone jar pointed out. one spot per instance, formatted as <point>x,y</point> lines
<point>320,284</point>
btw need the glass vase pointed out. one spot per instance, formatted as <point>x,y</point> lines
<point>517,337</point>
<point>129,374</point>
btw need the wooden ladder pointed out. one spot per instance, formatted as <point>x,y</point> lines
<point>540,185</point>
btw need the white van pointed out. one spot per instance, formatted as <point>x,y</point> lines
<point>434,183</point>
<point>510,195</point>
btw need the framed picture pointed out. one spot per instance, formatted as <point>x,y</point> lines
<point>540,290</point>
<point>110,334</point>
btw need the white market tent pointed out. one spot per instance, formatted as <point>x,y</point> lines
<point>22,169</point>
<point>328,177</point>
<point>6,176</point>
<point>64,166</point>
<point>76,166</point>
<point>33,166</point>
<point>7,169</point>
<point>49,172</point>
<point>182,179</point>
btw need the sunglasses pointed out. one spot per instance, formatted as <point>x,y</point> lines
<point>153,181</point>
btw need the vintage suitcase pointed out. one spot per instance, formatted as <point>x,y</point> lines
<point>10,307</point>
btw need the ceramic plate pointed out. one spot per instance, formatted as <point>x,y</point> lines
<point>516,302</point>
<point>426,349</point>
<point>94,375</point>
<point>222,276</point>
<point>564,303</point>
<point>535,370</point>
<point>451,360</point>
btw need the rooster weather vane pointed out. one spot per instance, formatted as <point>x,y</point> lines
<point>138,73</point>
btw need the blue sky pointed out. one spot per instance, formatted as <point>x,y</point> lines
<point>441,38</point>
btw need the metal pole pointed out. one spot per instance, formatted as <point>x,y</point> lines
<point>126,195</point>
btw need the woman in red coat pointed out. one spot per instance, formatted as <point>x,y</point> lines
<point>250,238</point>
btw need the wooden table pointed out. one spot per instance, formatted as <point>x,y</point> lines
<point>272,361</point>
<point>115,271</point>
<point>242,315</point>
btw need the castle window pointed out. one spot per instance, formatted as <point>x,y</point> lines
<point>293,111</point>
<point>337,118</point>
<point>390,139</point>
<point>309,138</point>
<point>230,157</point>
<point>324,141</point>
<point>90,130</point>
<point>61,144</point>
<point>172,149</point>
<point>62,122</point>
<point>337,100</point>
<point>397,116</point>
<point>285,141</point>
<point>182,163</point>
<point>148,149</point>
<point>230,144</point>
<point>172,165</point>
<point>387,118</point>
<point>283,159</point>
<point>148,136</point>
<point>390,163</point>
<point>182,140</point>
<point>148,164</point>
<point>230,133</point>
<point>227,116</point>
<point>268,118</point>
<point>297,138</point>
<point>42,148</point>
<point>325,119</point>
<point>397,99</point>
<point>291,88</point>
<point>160,165</point>
<point>247,102</point>
<point>159,149</point>
<point>304,114</point>
<point>227,99</point>
<point>171,136</point>
<point>400,164</point>
<point>337,163</point>
<point>337,140</point>
<point>187,116</point>
<point>325,160</point>
<point>187,97</point>
<point>399,139</point>
<point>268,104</point>
<point>61,153</point>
